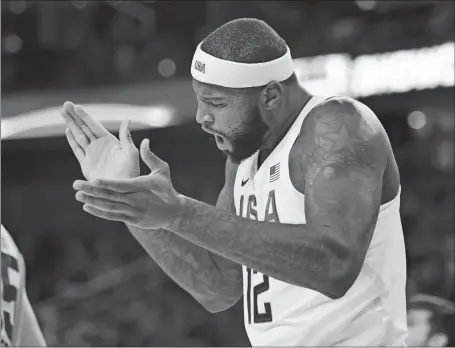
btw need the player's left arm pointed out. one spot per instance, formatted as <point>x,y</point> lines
<point>338,162</point>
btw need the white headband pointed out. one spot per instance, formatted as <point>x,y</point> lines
<point>209,69</point>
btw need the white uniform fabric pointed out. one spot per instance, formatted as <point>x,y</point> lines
<point>19,326</point>
<point>373,311</point>
<point>12,286</point>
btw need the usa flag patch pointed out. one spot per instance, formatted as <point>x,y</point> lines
<point>274,172</point>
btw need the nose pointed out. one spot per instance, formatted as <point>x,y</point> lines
<point>203,118</point>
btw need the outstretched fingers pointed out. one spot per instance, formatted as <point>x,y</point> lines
<point>103,203</point>
<point>78,135</point>
<point>70,109</point>
<point>94,126</point>
<point>108,215</point>
<point>91,189</point>
<point>77,149</point>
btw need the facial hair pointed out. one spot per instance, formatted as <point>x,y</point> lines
<point>247,138</point>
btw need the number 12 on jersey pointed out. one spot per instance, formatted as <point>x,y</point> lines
<point>253,293</point>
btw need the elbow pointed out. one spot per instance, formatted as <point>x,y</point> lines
<point>226,294</point>
<point>340,284</point>
<point>336,280</point>
<point>339,289</point>
<point>220,304</point>
<point>214,308</point>
<point>223,298</point>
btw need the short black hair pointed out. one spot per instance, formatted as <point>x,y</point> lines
<point>245,40</point>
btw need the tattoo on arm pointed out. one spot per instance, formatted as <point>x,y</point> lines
<point>212,280</point>
<point>209,280</point>
<point>338,162</point>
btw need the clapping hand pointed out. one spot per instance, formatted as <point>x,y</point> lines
<point>148,201</point>
<point>100,153</point>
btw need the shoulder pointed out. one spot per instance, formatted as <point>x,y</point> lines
<point>7,242</point>
<point>340,113</point>
<point>339,131</point>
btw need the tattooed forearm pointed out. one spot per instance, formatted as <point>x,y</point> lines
<point>213,281</point>
<point>301,255</point>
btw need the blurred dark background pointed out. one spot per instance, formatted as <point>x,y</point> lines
<point>89,281</point>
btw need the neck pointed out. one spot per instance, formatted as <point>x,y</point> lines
<point>281,120</point>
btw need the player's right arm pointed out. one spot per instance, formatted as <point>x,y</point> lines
<point>215,282</point>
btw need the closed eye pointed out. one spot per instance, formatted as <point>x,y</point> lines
<point>215,105</point>
<point>222,105</point>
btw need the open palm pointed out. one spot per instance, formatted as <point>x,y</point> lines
<point>100,153</point>
<point>107,157</point>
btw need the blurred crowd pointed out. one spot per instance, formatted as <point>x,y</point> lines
<point>89,281</point>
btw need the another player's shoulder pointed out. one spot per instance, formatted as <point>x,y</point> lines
<point>8,246</point>
<point>11,256</point>
<point>5,236</point>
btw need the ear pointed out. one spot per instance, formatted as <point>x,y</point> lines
<point>438,340</point>
<point>271,95</point>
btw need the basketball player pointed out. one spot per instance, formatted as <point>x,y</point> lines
<point>19,327</point>
<point>310,205</point>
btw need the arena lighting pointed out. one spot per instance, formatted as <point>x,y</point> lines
<point>80,5</point>
<point>366,5</point>
<point>49,123</point>
<point>417,120</point>
<point>17,6</point>
<point>166,67</point>
<point>12,43</point>
<point>375,74</point>
<point>327,74</point>
<point>402,71</point>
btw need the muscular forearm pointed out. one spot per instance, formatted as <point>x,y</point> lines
<point>213,281</point>
<point>297,254</point>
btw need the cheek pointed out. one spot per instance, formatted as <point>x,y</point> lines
<point>233,122</point>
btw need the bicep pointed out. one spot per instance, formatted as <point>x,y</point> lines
<point>343,179</point>
<point>344,200</point>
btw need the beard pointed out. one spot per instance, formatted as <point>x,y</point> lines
<point>247,139</point>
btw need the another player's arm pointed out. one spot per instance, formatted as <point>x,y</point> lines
<point>338,161</point>
<point>214,281</point>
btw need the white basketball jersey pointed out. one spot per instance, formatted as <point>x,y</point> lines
<point>371,313</point>
<point>12,287</point>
